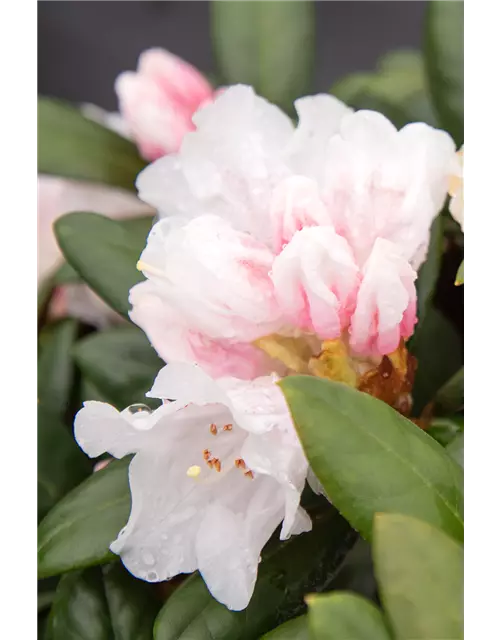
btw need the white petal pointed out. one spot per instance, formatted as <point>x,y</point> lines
<point>320,117</point>
<point>186,383</point>
<point>101,428</point>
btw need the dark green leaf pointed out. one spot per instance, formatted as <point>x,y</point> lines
<point>79,529</point>
<point>444,430</point>
<point>120,362</point>
<point>397,89</point>
<point>439,352</point>
<point>132,604</point>
<point>66,275</point>
<point>287,572</point>
<point>269,45</point>
<point>369,458</point>
<point>73,146</point>
<point>44,600</point>
<point>104,252</point>
<point>450,398</point>
<point>61,463</point>
<point>113,606</point>
<point>459,279</point>
<point>79,610</point>
<point>420,573</point>
<point>444,58</point>
<point>456,449</point>
<point>296,629</point>
<point>345,616</point>
<point>429,271</point>
<point>55,366</point>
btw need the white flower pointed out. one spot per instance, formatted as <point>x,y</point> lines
<point>214,473</point>
<point>268,229</point>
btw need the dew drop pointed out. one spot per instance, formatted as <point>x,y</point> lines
<point>138,408</point>
<point>152,576</point>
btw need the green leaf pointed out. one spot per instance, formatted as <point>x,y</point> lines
<point>269,45</point>
<point>66,275</point>
<point>456,449</point>
<point>444,58</point>
<point>398,89</point>
<point>55,366</point>
<point>369,458</point>
<point>61,463</point>
<point>132,604</point>
<point>420,573</point>
<point>296,629</point>
<point>444,430</point>
<point>79,609</point>
<point>104,252</point>
<point>287,572</point>
<point>77,532</point>
<point>345,616</point>
<point>120,362</point>
<point>450,398</point>
<point>459,278</point>
<point>429,271</point>
<point>72,146</point>
<point>439,352</point>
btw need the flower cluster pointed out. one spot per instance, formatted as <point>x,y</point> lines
<point>279,250</point>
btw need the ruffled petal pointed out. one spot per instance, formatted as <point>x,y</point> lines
<point>386,304</point>
<point>316,280</point>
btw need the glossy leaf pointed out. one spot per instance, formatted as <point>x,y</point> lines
<point>444,430</point>
<point>55,366</point>
<point>79,609</point>
<point>429,271</point>
<point>72,146</point>
<point>456,449</point>
<point>268,45</point>
<point>104,252</point>
<point>120,362</point>
<point>346,616</point>
<point>444,56</point>
<point>439,352</point>
<point>397,89</point>
<point>298,629</point>
<point>420,574</point>
<point>61,463</point>
<point>77,532</point>
<point>371,459</point>
<point>132,603</point>
<point>450,398</point>
<point>287,572</point>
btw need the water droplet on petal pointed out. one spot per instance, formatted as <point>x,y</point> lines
<point>138,408</point>
<point>152,576</point>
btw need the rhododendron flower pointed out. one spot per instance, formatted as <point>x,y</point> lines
<point>214,473</point>
<point>157,101</point>
<point>276,242</point>
<point>456,188</point>
<point>57,196</point>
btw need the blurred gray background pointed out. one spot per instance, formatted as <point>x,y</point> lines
<point>83,45</point>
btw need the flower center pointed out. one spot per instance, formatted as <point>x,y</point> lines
<point>388,378</point>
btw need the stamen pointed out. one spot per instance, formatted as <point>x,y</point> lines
<point>143,266</point>
<point>211,462</point>
<point>206,454</point>
<point>213,429</point>
<point>194,471</point>
<point>228,427</point>
<point>239,463</point>
<point>217,464</point>
<point>248,474</point>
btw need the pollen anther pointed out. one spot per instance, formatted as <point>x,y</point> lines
<point>239,463</point>
<point>213,429</point>
<point>228,427</point>
<point>249,474</point>
<point>206,454</point>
